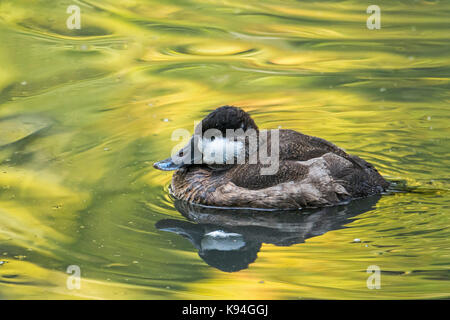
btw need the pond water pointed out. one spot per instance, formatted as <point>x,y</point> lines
<point>85,112</point>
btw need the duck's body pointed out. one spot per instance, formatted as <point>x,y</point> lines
<point>312,172</point>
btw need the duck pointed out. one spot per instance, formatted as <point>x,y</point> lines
<point>230,163</point>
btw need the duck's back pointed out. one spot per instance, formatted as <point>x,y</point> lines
<point>312,172</point>
<point>301,147</point>
<point>359,177</point>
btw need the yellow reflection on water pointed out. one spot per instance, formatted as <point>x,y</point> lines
<point>84,114</point>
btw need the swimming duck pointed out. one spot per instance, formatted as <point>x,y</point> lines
<point>229,162</point>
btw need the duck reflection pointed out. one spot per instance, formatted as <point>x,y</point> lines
<point>230,239</point>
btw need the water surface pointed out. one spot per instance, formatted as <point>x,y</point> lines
<point>84,114</point>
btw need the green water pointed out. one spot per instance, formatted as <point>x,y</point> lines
<point>84,114</point>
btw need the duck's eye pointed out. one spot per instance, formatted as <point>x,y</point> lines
<point>213,138</point>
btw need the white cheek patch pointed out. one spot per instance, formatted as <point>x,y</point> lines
<point>220,150</point>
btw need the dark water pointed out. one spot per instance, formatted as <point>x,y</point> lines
<point>84,114</point>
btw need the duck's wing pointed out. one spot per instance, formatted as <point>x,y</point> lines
<point>325,180</point>
<point>295,150</point>
<point>250,176</point>
<point>358,176</point>
<point>296,184</point>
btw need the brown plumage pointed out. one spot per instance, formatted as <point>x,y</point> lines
<point>312,172</point>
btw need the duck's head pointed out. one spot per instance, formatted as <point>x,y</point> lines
<point>220,140</point>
